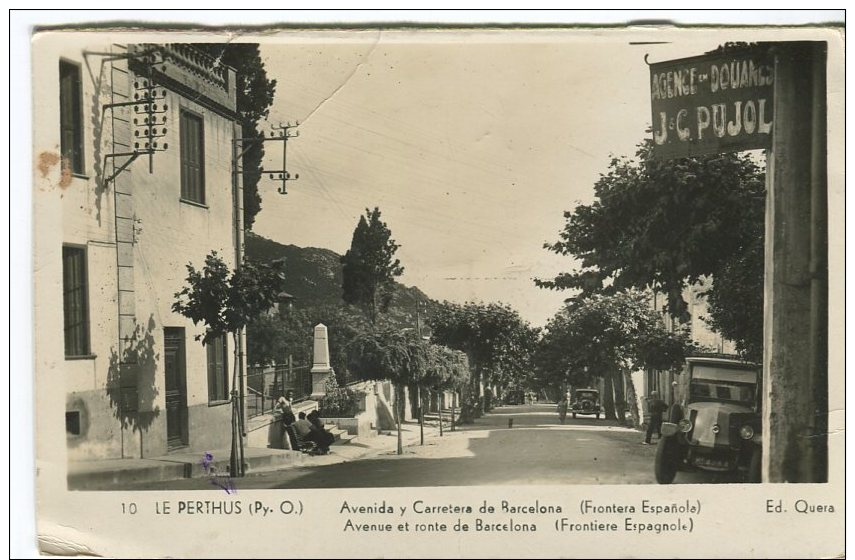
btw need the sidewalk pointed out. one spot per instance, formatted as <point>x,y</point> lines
<point>116,474</point>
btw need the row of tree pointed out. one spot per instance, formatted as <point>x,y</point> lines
<point>608,337</point>
<point>407,360</point>
<point>666,225</point>
<point>598,337</point>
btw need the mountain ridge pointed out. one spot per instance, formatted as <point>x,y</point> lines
<point>313,275</point>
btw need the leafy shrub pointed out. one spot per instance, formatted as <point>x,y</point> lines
<point>339,402</point>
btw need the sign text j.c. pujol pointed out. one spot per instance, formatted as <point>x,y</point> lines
<point>713,103</point>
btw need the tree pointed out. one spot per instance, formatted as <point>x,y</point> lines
<point>254,97</point>
<point>369,268</point>
<point>224,302</point>
<point>266,344</point>
<point>498,342</point>
<point>609,336</point>
<point>740,280</point>
<point>666,225</point>
<point>400,357</point>
<point>448,370</point>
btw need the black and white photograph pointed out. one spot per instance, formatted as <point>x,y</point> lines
<point>545,283</point>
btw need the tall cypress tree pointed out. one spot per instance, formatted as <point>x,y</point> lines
<point>369,268</point>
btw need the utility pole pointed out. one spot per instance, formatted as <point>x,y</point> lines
<point>419,388</point>
<point>240,146</point>
<point>795,346</point>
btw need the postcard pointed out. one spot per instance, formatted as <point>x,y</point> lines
<point>395,291</point>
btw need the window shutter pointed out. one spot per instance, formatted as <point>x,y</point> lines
<point>217,369</point>
<point>75,307</point>
<point>70,117</point>
<point>192,158</point>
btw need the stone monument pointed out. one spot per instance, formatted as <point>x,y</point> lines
<point>321,368</point>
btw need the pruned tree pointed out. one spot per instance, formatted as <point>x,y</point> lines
<point>369,268</point>
<point>666,225</point>
<point>609,336</point>
<point>498,342</point>
<point>448,370</point>
<point>400,357</point>
<point>224,301</point>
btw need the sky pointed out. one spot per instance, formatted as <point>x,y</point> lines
<point>472,144</point>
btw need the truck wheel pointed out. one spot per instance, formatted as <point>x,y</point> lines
<point>755,466</point>
<point>665,465</point>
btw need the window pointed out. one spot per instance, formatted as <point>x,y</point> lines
<point>192,158</point>
<point>72,423</point>
<point>70,117</point>
<point>218,369</point>
<point>75,301</point>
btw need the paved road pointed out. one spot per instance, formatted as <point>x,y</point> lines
<point>537,450</point>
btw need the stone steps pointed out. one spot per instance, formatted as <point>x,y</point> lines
<point>341,436</point>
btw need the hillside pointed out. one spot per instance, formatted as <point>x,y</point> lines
<point>313,276</point>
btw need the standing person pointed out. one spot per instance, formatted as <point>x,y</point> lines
<point>562,407</point>
<point>285,402</point>
<point>286,417</point>
<point>657,408</point>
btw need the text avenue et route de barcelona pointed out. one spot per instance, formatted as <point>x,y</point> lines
<point>712,103</point>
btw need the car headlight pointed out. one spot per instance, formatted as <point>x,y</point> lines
<point>685,425</point>
<point>746,432</point>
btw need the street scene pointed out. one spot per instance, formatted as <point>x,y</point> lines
<point>401,263</point>
<point>578,452</point>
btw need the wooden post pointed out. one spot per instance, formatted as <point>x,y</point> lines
<point>421,402</point>
<point>795,290</point>
<point>441,398</point>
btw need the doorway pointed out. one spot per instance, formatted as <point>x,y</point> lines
<point>176,388</point>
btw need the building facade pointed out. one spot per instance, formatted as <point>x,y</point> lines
<point>662,381</point>
<point>134,180</point>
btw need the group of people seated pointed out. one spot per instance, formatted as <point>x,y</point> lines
<point>302,429</point>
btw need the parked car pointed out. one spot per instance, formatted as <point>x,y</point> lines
<point>716,425</point>
<point>586,401</point>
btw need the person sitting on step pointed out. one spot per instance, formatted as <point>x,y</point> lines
<point>322,438</point>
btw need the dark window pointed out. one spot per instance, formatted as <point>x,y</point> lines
<point>72,423</point>
<point>218,369</point>
<point>192,158</point>
<point>70,117</point>
<point>75,302</point>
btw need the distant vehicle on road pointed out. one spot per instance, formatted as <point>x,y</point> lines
<point>516,396</point>
<point>717,424</point>
<point>586,401</point>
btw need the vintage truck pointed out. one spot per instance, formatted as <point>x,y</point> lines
<point>715,424</point>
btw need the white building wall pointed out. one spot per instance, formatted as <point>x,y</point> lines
<point>170,233</point>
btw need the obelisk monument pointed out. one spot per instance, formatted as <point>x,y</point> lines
<point>321,368</point>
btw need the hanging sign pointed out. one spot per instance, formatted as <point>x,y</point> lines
<point>712,103</point>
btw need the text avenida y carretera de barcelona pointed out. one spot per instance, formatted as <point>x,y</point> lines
<point>421,516</point>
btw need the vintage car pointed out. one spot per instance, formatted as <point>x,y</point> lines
<point>586,401</point>
<point>715,426</point>
<point>515,396</point>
